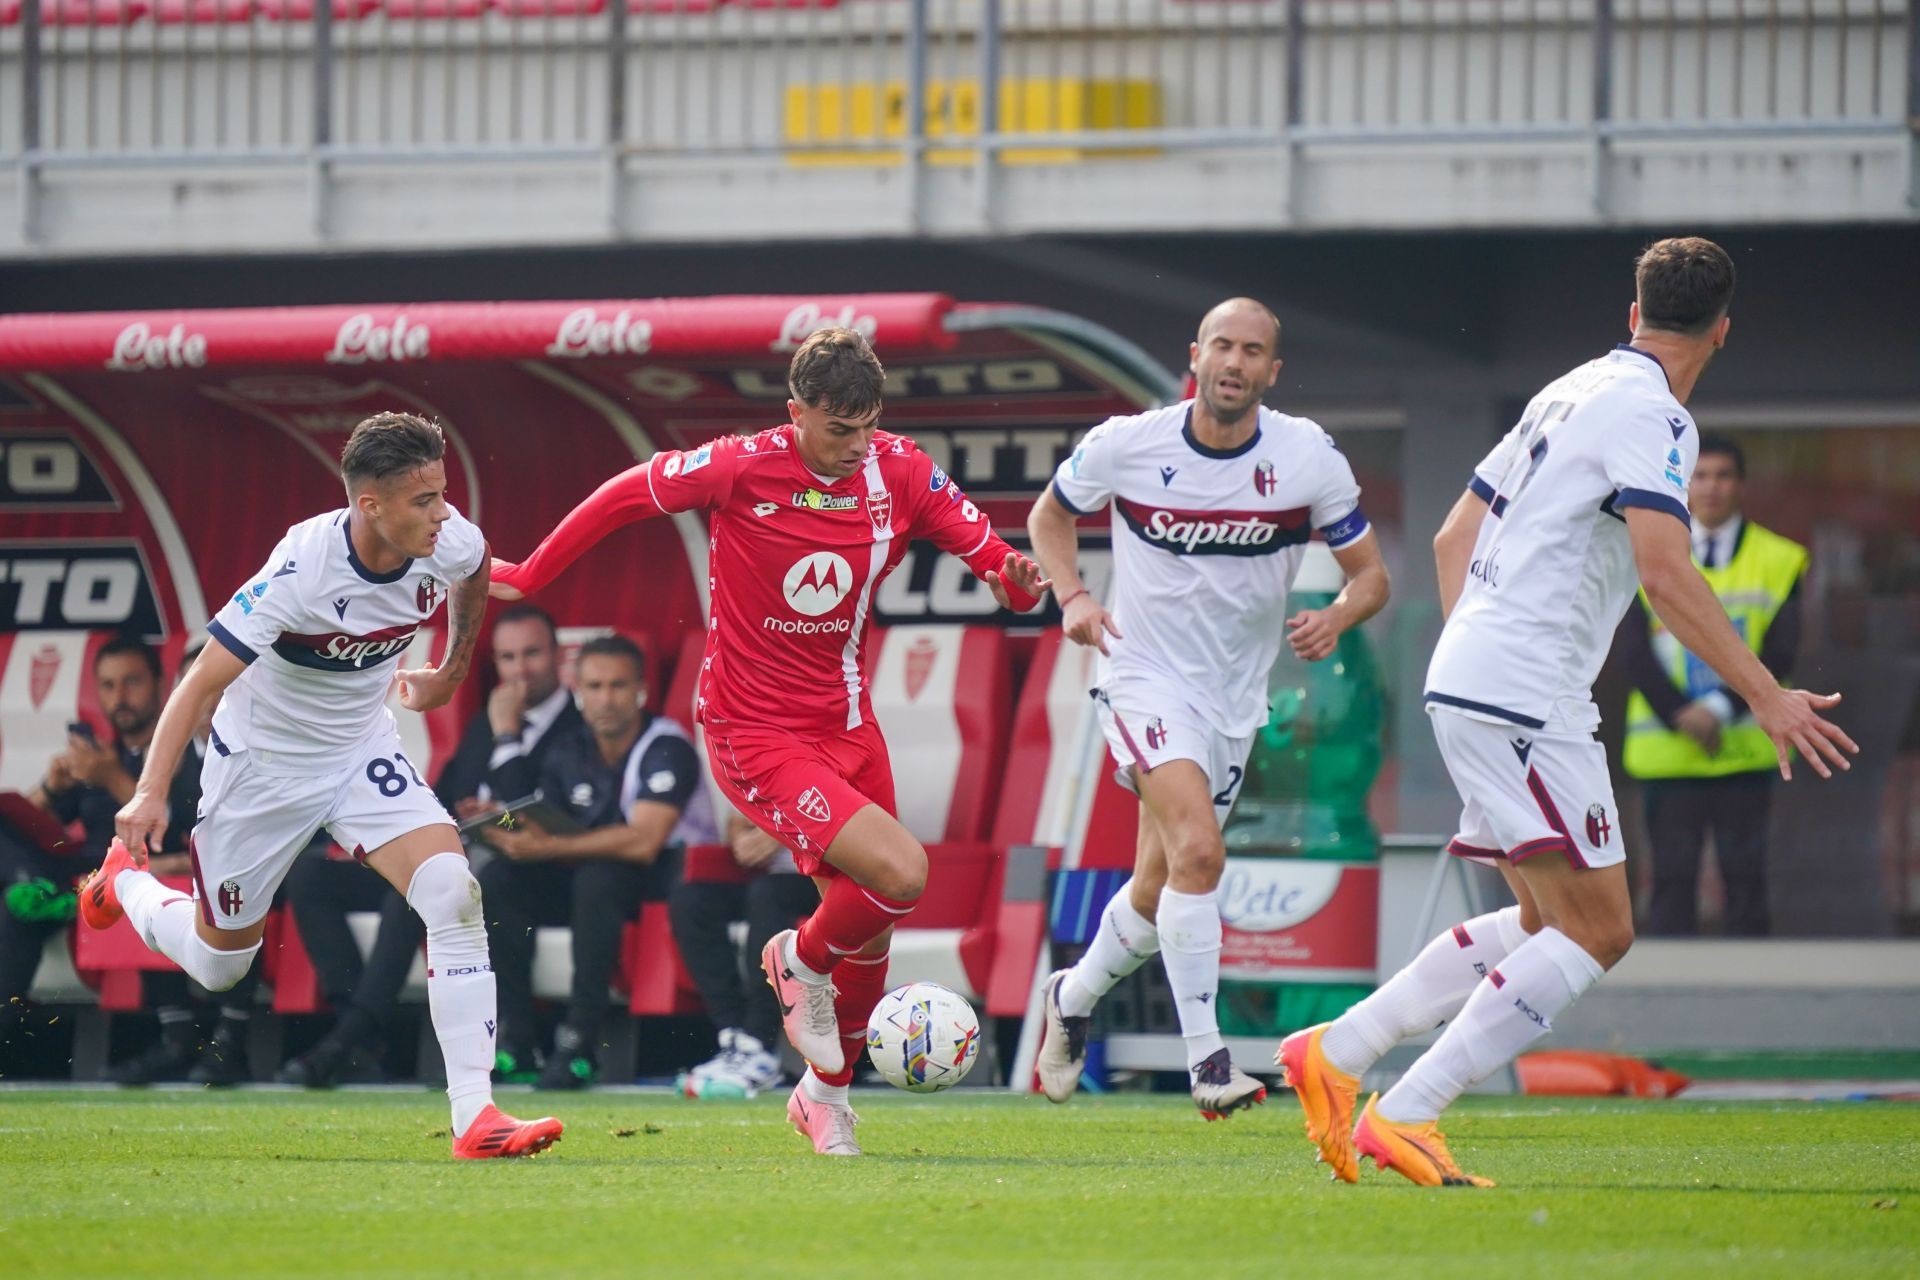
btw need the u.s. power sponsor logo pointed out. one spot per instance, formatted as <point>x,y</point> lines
<point>1216,533</point>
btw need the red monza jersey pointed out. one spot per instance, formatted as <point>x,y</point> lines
<point>795,563</point>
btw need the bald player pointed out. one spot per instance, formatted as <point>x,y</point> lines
<point>1216,499</point>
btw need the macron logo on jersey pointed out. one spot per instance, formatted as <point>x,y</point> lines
<point>1216,533</point>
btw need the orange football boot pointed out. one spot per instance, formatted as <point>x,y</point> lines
<point>494,1135</point>
<point>1327,1095</point>
<point>99,904</point>
<point>1417,1152</point>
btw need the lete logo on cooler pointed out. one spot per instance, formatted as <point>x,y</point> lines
<point>583,333</point>
<point>1264,896</point>
<point>360,339</point>
<point>139,347</point>
<point>809,318</point>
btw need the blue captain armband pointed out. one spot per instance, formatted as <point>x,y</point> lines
<point>1346,529</point>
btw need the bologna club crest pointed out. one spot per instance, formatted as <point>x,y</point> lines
<point>1263,482</point>
<point>1598,828</point>
<point>427,594</point>
<point>1156,734</point>
<point>230,899</point>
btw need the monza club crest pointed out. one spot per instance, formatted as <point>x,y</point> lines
<point>880,511</point>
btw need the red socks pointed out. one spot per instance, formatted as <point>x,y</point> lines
<point>847,919</point>
<point>861,981</point>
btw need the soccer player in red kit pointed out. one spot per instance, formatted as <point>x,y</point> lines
<point>807,519</point>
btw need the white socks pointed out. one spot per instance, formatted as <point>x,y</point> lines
<point>1190,948</point>
<point>460,994</point>
<point>163,918</point>
<point>1515,1006</point>
<point>820,1091</point>
<point>1125,941</point>
<point>1425,994</point>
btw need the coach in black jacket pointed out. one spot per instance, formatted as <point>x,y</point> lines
<point>498,760</point>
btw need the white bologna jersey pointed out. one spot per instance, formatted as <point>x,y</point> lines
<point>1552,570</point>
<point>1206,546</point>
<point>321,633</point>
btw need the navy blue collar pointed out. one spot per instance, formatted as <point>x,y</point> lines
<point>353,558</point>
<point>1208,451</point>
<point>1626,346</point>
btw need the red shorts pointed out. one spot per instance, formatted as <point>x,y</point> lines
<point>801,793</point>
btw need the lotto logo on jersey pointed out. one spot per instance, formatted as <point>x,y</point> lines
<point>817,583</point>
<point>1263,480</point>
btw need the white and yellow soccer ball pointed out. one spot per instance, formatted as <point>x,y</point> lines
<point>923,1038</point>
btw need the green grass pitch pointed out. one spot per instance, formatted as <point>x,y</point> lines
<point>359,1184</point>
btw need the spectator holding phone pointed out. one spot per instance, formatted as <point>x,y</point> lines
<point>87,783</point>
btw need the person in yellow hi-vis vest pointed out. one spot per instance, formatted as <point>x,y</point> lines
<point>1705,764</point>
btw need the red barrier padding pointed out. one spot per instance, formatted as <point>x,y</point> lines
<point>302,10</point>
<point>398,334</point>
<point>175,13</point>
<point>78,13</point>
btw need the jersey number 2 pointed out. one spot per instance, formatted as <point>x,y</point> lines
<point>1533,434</point>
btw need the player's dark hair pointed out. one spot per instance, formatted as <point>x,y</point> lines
<point>388,445</point>
<point>836,370</point>
<point>529,613</point>
<point>615,646</point>
<point>1725,446</point>
<point>129,644</point>
<point>1684,285</point>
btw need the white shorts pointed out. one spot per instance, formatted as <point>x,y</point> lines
<point>1145,729</point>
<point>252,824</point>
<point>1525,792</point>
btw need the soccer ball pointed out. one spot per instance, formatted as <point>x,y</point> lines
<point>923,1038</point>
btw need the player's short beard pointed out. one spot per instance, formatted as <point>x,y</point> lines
<point>1225,418</point>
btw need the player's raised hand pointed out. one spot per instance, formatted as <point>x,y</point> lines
<point>425,688</point>
<point>1023,574</point>
<point>1085,622</point>
<point>1313,633</point>
<point>1792,719</point>
<point>140,823</point>
<point>500,590</point>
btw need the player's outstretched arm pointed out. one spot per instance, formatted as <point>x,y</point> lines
<point>1313,633</point>
<point>1056,545</point>
<point>425,688</point>
<point>143,819</point>
<point>1453,547</point>
<point>628,497</point>
<point>1681,597</point>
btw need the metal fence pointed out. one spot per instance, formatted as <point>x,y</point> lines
<point>882,81</point>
